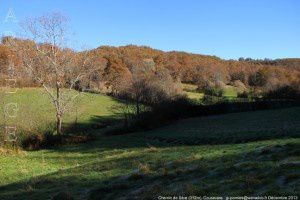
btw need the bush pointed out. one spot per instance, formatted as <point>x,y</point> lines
<point>202,84</point>
<point>214,91</point>
<point>240,86</point>
<point>38,141</point>
<point>162,113</point>
<point>283,92</point>
<point>243,95</point>
<point>258,79</point>
<point>209,100</point>
<point>33,142</point>
<point>238,76</point>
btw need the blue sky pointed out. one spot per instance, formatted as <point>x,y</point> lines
<point>225,28</point>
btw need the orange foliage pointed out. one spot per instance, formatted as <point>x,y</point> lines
<point>118,63</point>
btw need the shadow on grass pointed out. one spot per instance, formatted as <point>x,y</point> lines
<point>94,123</point>
<point>244,171</point>
<point>169,112</point>
<point>102,141</point>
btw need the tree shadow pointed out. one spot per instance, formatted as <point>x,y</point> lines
<point>94,123</point>
<point>102,141</point>
<point>98,126</point>
<point>247,172</point>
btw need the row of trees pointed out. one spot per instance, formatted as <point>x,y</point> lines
<point>116,65</point>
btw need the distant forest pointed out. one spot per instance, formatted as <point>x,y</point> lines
<point>116,67</point>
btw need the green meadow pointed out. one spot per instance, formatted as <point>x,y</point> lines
<point>249,153</point>
<point>36,113</point>
<point>190,90</point>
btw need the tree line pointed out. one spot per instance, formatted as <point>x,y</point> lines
<point>114,66</point>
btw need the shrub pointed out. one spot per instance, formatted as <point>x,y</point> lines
<point>243,95</point>
<point>208,100</point>
<point>214,91</point>
<point>258,79</point>
<point>161,113</point>
<point>283,92</point>
<point>57,140</point>
<point>38,141</point>
<point>240,86</point>
<point>33,142</point>
<point>238,76</point>
<point>202,84</point>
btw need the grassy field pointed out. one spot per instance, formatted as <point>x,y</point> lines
<point>232,127</point>
<point>194,95</point>
<point>190,90</point>
<point>230,92</point>
<point>36,112</point>
<point>140,165</point>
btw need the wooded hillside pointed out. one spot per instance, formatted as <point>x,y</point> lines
<point>116,65</point>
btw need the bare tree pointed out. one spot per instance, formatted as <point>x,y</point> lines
<point>50,63</point>
<point>150,86</point>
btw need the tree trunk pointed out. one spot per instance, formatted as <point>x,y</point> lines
<point>58,110</point>
<point>58,124</point>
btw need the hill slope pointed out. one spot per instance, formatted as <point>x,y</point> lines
<point>232,127</point>
<point>129,166</point>
<point>36,113</point>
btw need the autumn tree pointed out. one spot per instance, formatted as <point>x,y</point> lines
<point>258,79</point>
<point>150,85</point>
<point>48,60</point>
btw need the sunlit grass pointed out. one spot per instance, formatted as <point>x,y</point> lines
<point>230,92</point>
<point>36,111</point>
<point>189,87</point>
<point>190,90</point>
<point>176,159</point>
<point>89,166</point>
<point>194,95</point>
